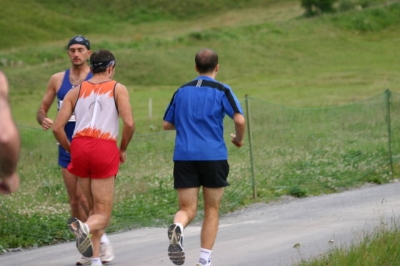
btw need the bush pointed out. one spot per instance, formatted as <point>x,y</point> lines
<point>297,192</point>
<point>371,19</point>
<point>315,7</point>
<point>346,5</point>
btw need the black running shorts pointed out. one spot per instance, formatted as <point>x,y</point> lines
<point>212,174</point>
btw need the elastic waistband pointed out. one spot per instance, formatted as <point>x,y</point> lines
<point>94,139</point>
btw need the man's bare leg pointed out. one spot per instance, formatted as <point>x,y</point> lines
<point>77,200</point>
<point>212,202</point>
<point>187,198</point>
<point>100,194</point>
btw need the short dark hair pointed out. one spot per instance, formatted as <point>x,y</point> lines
<point>206,60</point>
<point>100,60</point>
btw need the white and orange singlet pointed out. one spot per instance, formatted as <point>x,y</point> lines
<point>96,111</point>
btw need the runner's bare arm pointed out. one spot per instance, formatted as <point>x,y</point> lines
<point>125,112</point>
<point>9,143</point>
<point>48,100</point>
<point>168,126</point>
<point>240,125</point>
<point>63,116</point>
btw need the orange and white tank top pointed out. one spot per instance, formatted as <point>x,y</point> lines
<point>96,111</point>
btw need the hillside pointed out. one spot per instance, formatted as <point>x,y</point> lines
<point>267,48</point>
<point>34,22</point>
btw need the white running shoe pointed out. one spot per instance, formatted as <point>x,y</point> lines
<point>106,252</point>
<point>84,261</point>
<point>175,248</point>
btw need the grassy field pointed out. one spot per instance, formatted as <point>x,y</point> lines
<point>267,50</point>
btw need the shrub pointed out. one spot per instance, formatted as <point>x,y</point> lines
<point>297,192</point>
<point>345,5</point>
<point>315,7</point>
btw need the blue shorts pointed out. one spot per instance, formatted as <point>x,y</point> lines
<point>64,158</point>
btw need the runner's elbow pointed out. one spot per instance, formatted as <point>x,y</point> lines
<point>130,124</point>
<point>57,129</point>
<point>239,120</point>
<point>168,126</point>
<point>9,136</point>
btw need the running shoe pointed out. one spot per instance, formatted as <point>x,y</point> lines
<point>82,235</point>
<point>106,252</point>
<point>203,262</point>
<point>84,261</point>
<point>175,249</point>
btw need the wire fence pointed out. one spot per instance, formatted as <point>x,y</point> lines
<point>288,151</point>
<point>307,151</point>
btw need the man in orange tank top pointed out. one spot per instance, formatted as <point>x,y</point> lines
<point>95,156</point>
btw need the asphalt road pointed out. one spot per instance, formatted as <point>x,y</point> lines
<point>261,235</point>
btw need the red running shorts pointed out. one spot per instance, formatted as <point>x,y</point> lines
<point>94,158</point>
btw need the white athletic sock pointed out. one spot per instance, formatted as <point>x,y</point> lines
<point>104,239</point>
<point>96,261</point>
<point>204,256</point>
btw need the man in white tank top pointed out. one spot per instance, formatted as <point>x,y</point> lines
<point>95,155</point>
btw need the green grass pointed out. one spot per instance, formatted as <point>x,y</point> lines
<point>99,17</point>
<point>267,50</point>
<point>277,56</point>
<point>377,248</point>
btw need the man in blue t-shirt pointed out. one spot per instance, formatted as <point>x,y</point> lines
<point>196,112</point>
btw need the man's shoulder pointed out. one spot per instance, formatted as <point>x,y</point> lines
<point>211,83</point>
<point>2,76</point>
<point>58,76</point>
<point>188,84</point>
<point>119,88</point>
<point>118,84</point>
<point>3,84</point>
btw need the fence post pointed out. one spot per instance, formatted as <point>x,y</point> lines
<point>389,128</point>
<point>253,181</point>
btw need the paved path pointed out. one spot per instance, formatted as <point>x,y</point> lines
<point>261,235</point>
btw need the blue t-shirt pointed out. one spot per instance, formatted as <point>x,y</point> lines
<point>197,109</point>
